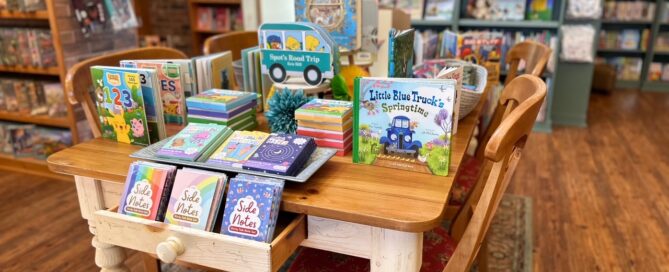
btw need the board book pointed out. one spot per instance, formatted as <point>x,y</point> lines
<point>193,141</point>
<point>220,100</point>
<point>120,105</point>
<point>252,207</point>
<point>172,92</point>
<point>404,123</point>
<point>147,190</point>
<point>400,52</point>
<point>324,110</point>
<point>319,133</point>
<point>281,154</point>
<point>196,198</point>
<point>326,126</point>
<point>342,19</point>
<point>237,148</point>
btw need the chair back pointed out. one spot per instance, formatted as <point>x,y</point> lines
<point>534,54</point>
<point>233,41</point>
<point>520,101</point>
<point>78,79</point>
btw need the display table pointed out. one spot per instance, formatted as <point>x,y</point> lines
<point>361,210</point>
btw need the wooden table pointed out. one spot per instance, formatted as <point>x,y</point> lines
<point>361,210</point>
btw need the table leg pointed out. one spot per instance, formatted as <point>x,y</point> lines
<point>108,257</point>
<point>396,250</point>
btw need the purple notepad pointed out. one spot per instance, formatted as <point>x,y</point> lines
<point>280,153</point>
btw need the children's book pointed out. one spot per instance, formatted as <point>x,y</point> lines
<point>214,71</point>
<point>281,154</point>
<point>328,134</point>
<point>122,14</point>
<point>195,199</point>
<point>120,105</point>
<point>540,10</point>
<point>237,148</point>
<point>513,10</point>
<point>154,106</point>
<point>147,190</point>
<point>54,99</point>
<point>342,19</point>
<point>370,27</point>
<point>400,53</point>
<point>325,110</point>
<point>455,72</point>
<point>439,9</point>
<point>220,100</point>
<point>193,141</point>
<point>172,92</point>
<point>326,126</point>
<point>404,123</point>
<point>11,102</point>
<point>23,139</point>
<point>91,15</point>
<point>252,208</point>
<point>51,140</point>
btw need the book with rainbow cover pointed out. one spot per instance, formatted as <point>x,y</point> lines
<point>196,198</point>
<point>325,110</point>
<point>237,148</point>
<point>147,189</point>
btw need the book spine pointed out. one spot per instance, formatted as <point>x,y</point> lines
<point>356,119</point>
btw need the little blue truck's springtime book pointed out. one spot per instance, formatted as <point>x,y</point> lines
<point>404,123</point>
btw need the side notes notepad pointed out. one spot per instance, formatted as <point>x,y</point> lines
<point>147,189</point>
<point>196,198</point>
<point>252,207</point>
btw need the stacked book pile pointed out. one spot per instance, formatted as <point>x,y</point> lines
<point>195,142</point>
<point>233,109</point>
<point>328,121</point>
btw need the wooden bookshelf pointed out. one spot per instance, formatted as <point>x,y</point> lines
<point>509,24</point>
<point>200,35</point>
<point>43,120</point>
<point>30,166</point>
<point>52,71</point>
<point>15,15</point>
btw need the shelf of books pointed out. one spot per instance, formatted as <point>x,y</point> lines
<point>36,119</point>
<point>211,17</point>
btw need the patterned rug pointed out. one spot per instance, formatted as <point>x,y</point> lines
<point>509,238</point>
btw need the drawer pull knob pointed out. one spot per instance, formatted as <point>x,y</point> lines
<point>169,250</point>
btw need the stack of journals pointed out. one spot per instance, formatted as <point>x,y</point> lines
<point>196,198</point>
<point>252,207</point>
<point>233,109</point>
<point>195,142</point>
<point>328,121</point>
<point>147,190</point>
<point>281,154</point>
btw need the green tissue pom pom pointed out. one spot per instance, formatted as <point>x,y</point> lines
<point>282,106</point>
<point>339,88</point>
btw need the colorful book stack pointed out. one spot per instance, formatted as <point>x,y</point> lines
<point>329,122</point>
<point>252,207</point>
<point>147,190</point>
<point>237,148</point>
<point>282,154</point>
<point>196,198</point>
<point>233,109</point>
<point>195,142</point>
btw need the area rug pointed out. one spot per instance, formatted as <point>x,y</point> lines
<point>509,238</point>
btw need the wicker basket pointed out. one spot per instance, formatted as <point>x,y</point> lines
<point>470,98</point>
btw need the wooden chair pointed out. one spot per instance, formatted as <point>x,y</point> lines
<point>534,54</point>
<point>520,102</point>
<point>78,79</point>
<point>233,41</point>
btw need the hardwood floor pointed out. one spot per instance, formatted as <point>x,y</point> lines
<point>600,198</point>
<point>600,194</point>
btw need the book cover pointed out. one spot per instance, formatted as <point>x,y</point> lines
<point>23,139</point>
<point>325,110</point>
<point>237,148</point>
<point>400,53</point>
<point>404,123</point>
<point>91,15</point>
<point>439,10</point>
<point>455,72</point>
<point>172,92</point>
<point>507,10</point>
<point>540,10</point>
<point>231,114</point>
<point>120,105</point>
<point>326,126</point>
<point>280,154</point>
<point>11,102</point>
<point>325,134</point>
<point>340,18</point>
<point>51,140</point>
<point>147,190</point>
<point>54,99</point>
<point>191,141</point>
<point>195,199</point>
<point>251,208</point>
<point>220,100</point>
<point>121,14</point>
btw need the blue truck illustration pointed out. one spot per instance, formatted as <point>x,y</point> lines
<point>399,139</point>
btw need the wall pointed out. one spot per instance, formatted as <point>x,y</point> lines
<point>170,21</point>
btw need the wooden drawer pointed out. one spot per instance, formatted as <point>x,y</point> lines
<point>181,244</point>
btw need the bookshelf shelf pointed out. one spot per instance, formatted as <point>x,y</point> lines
<point>45,120</point>
<point>656,86</point>
<point>232,2</point>
<point>509,24</point>
<point>29,166</point>
<point>621,51</point>
<point>627,23</point>
<point>661,53</point>
<point>628,84</point>
<point>53,71</point>
<point>431,23</point>
<point>200,35</point>
<point>12,15</point>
